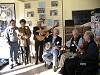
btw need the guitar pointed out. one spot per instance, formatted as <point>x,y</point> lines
<point>44,33</point>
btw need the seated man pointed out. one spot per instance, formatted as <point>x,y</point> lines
<point>88,58</point>
<point>71,45</point>
<point>50,55</point>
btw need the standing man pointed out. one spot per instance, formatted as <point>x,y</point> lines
<point>12,38</point>
<point>24,37</point>
<point>37,31</point>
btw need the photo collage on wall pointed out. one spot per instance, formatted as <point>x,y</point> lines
<point>54,12</point>
<point>27,11</point>
<point>41,10</point>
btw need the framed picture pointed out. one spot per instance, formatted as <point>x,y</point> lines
<point>53,13</point>
<point>7,12</point>
<point>30,14</point>
<point>42,16</point>
<point>27,5</point>
<point>41,10</point>
<point>54,3</point>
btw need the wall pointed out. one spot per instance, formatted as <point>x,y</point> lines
<point>19,6</point>
<point>7,1</point>
<point>70,5</point>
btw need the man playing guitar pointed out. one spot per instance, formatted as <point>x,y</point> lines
<point>40,33</point>
<point>38,43</point>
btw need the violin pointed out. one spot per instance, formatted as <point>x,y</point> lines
<point>80,50</point>
<point>84,45</point>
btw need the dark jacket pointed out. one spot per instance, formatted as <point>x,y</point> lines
<point>57,42</point>
<point>73,48</point>
<point>91,52</point>
<point>22,33</point>
<point>36,33</point>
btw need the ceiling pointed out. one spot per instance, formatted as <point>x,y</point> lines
<point>26,0</point>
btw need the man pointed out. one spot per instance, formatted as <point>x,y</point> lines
<point>37,31</point>
<point>71,45</point>
<point>51,56</point>
<point>88,58</point>
<point>11,35</point>
<point>24,37</point>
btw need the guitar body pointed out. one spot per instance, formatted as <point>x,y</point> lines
<point>40,37</point>
<point>43,33</point>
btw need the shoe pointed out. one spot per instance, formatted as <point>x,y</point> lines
<point>50,66</point>
<point>18,63</point>
<point>55,68</point>
<point>36,63</point>
<point>61,70</point>
<point>42,61</point>
<point>12,66</point>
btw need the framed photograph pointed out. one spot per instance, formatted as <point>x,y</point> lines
<point>53,12</point>
<point>7,12</point>
<point>54,3</point>
<point>41,10</point>
<point>30,14</point>
<point>42,16</point>
<point>27,5</point>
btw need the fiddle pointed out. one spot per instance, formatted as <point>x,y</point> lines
<point>80,50</point>
<point>84,45</point>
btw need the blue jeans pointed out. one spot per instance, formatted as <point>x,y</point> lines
<point>50,56</point>
<point>13,52</point>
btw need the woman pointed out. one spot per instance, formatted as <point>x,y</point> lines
<point>24,37</point>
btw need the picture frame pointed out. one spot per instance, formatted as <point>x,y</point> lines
<point>27,5</point>
<point>30,14</point>
<point>53,12</point>
<point>7,12</point>
<point>42,16</point>
<point>41,10</point>
<point>54,3</point>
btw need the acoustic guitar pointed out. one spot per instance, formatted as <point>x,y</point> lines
<point>44,33</point>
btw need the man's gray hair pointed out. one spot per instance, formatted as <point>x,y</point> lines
<point>90,34</point>
<point>57,30</point>
<point>75,30</point>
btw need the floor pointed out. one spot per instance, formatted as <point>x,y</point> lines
<point>30,69</point>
